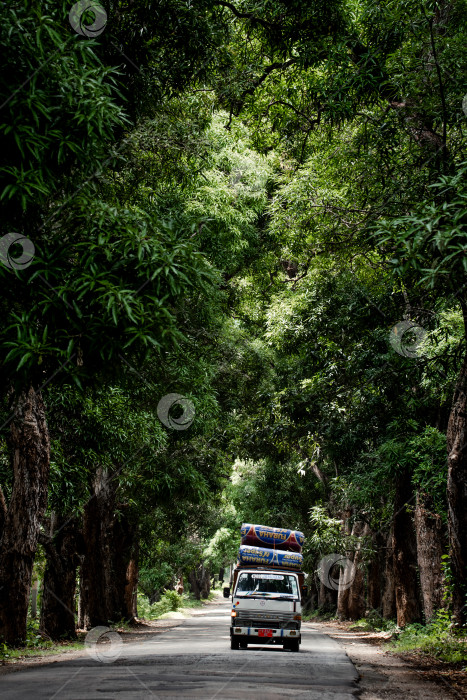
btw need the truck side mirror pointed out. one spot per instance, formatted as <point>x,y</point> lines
<point>304,591</point>
<point>226,592</point>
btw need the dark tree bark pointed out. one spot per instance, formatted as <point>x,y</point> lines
<point>375,573</point>
<point>63,547</point>
<point>200,582</point>
<point>194,585</point>
<point>30,445</point>
<point>3,511</point>
<point>109,571</point>
<point>205,583</point>
<point>457,492</point>
<point>327,598</point>
<point>124,568</point>
<point>343,591</point>
<point>131,588</point>
<point>356,604</point>
<point>389,589</point>
<point>428,527</point>
<point>405,554</point>
<point>96,570</point>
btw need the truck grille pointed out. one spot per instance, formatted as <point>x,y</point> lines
<point>277,621</point>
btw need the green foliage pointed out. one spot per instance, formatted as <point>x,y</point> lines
<point>374,621</point>
<point>327,534</point>
<point>222,548</point>
<point>435,639</point>
<point>36,644</point>
<point>62,108</point>
<point>170,601</point>
<point>431,240</point>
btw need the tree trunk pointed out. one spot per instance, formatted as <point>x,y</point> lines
<point>205,583</point>
<point>343,574</point>
<point>194,584</point>
<point>96,571</point>
<point>31,459</point>
<point>124,568</point>
<point>350,598</point>
<point>357,605</point>
<point>131,588</point>
<point>200,582</point>
<point>405,554</point>
<point>179,588</point>
<point>34,592</point>
<point>428,527</point>
<point>389,591</point>
<point>457,493</point>
<point>62,549</point>
<point>375,574</point>
<point>327,598</point>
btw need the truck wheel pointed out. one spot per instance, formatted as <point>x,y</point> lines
<point>294,645</point>
<point>233,643</point>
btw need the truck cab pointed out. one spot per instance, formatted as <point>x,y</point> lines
<point>266,608</point>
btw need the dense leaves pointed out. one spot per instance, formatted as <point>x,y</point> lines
<point>244,204</point>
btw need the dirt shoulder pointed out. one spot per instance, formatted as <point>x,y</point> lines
<point>386,675</point>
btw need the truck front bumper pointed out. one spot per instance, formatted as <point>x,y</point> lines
<point>252,634</point>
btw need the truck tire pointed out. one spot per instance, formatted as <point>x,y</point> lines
<point>233,643</point>
<point>294,645</point>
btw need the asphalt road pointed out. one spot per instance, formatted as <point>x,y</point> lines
<point>194,660</point>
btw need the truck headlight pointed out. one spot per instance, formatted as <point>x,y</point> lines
<point>233,613</point>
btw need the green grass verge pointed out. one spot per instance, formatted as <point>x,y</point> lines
<point>170,602</point>
<point>319,615</point>
<point>37,645</point>
<point>435,639</point>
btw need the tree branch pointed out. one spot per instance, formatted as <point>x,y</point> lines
<point>267,72</point>
<point>243,15</point>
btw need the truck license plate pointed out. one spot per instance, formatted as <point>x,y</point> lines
<point>264,633</point>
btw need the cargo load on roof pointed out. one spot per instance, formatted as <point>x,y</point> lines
<point>274,558</point>
<point>275,537</point>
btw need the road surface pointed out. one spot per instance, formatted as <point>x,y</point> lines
<point>194,660</point>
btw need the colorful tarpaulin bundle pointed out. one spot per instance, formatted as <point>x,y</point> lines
<point>274,558</point>
<point>274,547</point>
<point>272,537</point>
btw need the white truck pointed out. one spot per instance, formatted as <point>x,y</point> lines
<point>266,607</point>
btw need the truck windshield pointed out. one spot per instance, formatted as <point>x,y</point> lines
<point>269,585</point>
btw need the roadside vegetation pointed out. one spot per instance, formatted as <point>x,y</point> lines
<point>246,302</point>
